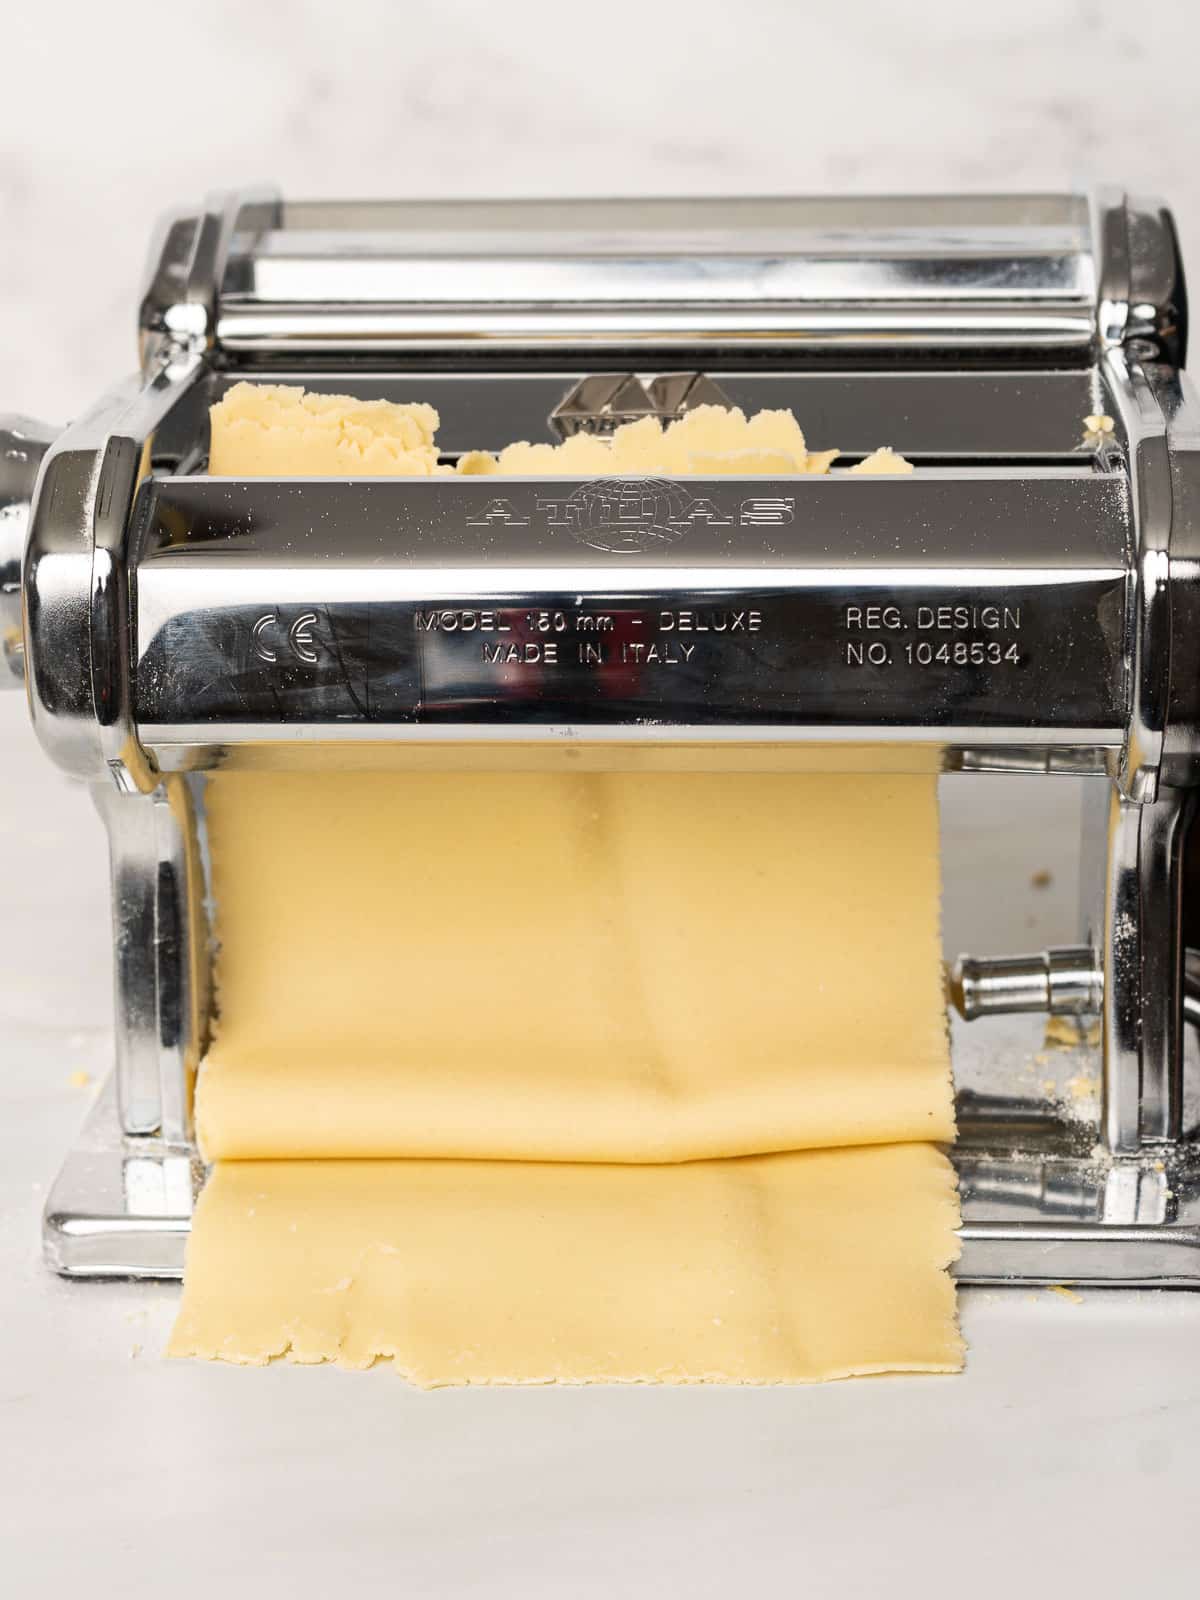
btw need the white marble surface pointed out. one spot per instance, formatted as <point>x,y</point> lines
<point>1068,1454</point>
<point>1063,1462</point>
<point>111,113</point>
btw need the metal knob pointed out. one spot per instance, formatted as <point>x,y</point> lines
<point>1065,981</point>
<point>23,443</point>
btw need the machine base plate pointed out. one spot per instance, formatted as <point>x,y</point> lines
<point>1037,1207</point>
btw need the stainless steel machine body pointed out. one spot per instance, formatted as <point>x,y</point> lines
<point>1026,601</point>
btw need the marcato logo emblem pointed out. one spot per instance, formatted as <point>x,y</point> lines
<point>630,516</point>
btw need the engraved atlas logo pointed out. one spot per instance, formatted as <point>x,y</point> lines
<point>624,515</point>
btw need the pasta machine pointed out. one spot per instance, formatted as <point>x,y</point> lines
<point>1026,601</point>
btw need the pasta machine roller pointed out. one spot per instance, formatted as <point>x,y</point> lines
<point>1026,601</point>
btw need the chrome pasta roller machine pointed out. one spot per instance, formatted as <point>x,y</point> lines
<point>1026,601</point>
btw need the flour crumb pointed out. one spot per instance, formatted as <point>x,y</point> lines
<point>1064,1292</point>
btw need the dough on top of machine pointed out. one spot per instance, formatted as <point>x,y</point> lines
<point>282,430</point>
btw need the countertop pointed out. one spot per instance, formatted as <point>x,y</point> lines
<point>1068,1451</point>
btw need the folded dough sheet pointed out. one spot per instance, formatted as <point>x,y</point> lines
<point>757,1269</point>
<point>554,1075</point>
<point>503,1061</point>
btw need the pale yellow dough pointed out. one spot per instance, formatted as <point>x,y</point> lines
<point>882,461</point>
<point>589,967</point>
<point>711,441</point>
<point>770,1269</point>
<point>280,430</point>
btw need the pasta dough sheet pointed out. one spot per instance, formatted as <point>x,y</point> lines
<point>611,1020</point>
<point>609,967</point>
<point>765,1269</point>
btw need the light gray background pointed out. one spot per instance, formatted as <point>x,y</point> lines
<point>1068,1454</point>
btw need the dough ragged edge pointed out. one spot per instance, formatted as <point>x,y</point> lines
<point>782,1269</point>
<point>708,441</point>
<point>282,430</point>
<point>883,461</point>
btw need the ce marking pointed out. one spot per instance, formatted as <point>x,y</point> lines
<point>300,639</point>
